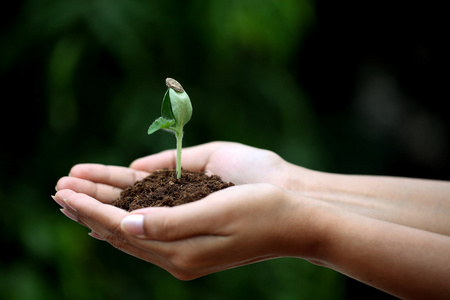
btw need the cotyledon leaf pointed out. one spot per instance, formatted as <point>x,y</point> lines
<point>166,107</point>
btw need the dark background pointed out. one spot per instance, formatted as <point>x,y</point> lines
<point>357,88</point>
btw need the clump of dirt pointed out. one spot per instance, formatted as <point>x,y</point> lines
<point>162,188</point>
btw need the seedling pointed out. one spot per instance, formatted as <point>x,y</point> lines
<point>176,111</point>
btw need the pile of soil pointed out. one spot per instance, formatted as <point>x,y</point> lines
<point>162,188</point>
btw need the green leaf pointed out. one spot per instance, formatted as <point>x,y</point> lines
<point>166,107</point>
<point>181,107</point>
<point>160,123</point>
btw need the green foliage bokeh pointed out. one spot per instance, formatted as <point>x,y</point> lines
<point>83,80</point>
<point>95,72</point>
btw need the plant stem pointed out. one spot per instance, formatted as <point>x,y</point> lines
<point>179,136</point>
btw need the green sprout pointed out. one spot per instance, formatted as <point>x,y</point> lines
<point>176,111</point>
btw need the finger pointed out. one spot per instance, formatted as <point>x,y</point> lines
<point>193,158</point>
<point>151,163</point>
<point>101,192</point>
<point>81,207</point>
<point>120,177</point>
<point>90,211</point>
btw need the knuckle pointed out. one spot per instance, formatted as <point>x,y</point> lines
<point>168,227</point>
<point>116,242</point>
<point>117,233</point>
<point>117,238</point>
<point>165,229</point>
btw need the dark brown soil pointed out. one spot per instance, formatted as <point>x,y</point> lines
<point>161,188</point>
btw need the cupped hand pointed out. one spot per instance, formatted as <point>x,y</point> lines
<point>233,162</point>
<point>235,226</point>
<point>229,228</point>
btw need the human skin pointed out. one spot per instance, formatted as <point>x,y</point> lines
<point>391,233</point>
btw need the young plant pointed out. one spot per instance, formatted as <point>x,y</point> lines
<point>176,111</point>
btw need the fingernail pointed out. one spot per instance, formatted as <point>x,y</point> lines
<point>59,201</point>
<point>96,236</point>
<point>69,215</point>
<point>68,204</point>
<point>133,224</point>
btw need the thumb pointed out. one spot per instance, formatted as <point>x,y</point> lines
<point>172,223</point>
<point>213,215</point>
<point>133,225</point>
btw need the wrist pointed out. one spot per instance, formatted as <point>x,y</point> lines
<point>307,223</point>
<point>299,179</point>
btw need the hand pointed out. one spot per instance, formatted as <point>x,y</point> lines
<point>229,228</point>
<point>236,226</point>
<point>233,162</point>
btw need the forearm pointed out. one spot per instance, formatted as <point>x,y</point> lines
<point>400,260</point>
<point>418,203</point>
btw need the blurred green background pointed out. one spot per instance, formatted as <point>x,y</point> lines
<point>340,87</point>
